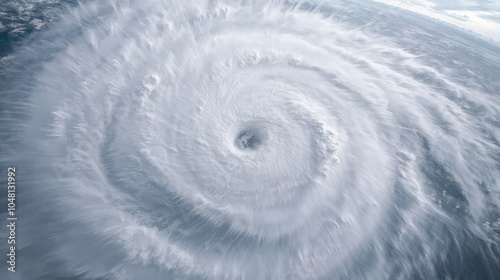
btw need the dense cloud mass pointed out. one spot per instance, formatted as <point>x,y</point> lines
<point>252,140</point>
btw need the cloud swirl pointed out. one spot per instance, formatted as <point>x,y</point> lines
<point>254,140</point>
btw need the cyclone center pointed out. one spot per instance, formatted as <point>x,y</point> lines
<point>249,139</point>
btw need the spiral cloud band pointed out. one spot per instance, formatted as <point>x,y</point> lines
<point>254,140</point>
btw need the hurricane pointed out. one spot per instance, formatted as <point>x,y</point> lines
<point>234,139</point>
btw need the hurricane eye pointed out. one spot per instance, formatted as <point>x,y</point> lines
<point>248,140</point>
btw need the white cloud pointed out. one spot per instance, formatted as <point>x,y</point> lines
<point>481,17</point>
